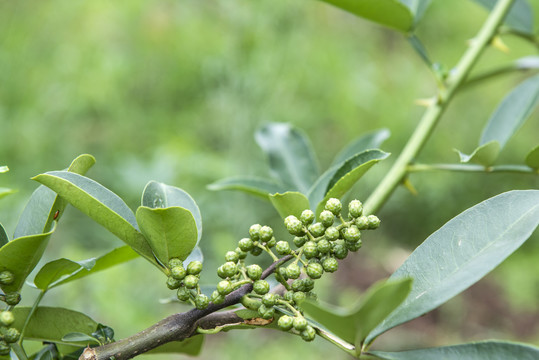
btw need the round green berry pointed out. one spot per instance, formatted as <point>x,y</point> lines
<point>293,225</point>
<point>190,281</point>
<point>261,287</point>
<point>269,299</point>
<point>332,233</point>
<point>12,335</point>
<point>178,272</point>
<point>340,251</point>
<point>355,208</point>
<point>13,298</point>
<point>231,256</point>
<point>229,268</point>
<point>299,241</point>
<point>194,267</point>
<point>271,243</point>
<point>307,217</point>
<point>334,205</point>
<point>174,262</point>
<point>293,271</point>
<point>308,334</point>
<point>308,284</point>
<point>326,218</point>
<point>297,285</point>
<point>183,294</point>
<point>282,272</point>
<point>5,349</point>
<point>310,250</point>
<point>330,264</point>
<point>254,231</point>
<point>245,244</point>
<point>265,233</point>
<point>285,322</point>
<point>314,271</point>
<point>256,251</point>
<point>217,298</point>
<point>373,222</point>
<point>267,313</point>
<point>352,234</point>
<point>317,229</point>
<point>299,323</point>
<point>6,318</point>
<point>173,283</point>
<point>6,277</point>
<point>282,248</point>
<point>362,223</point>
<point>221,272</point>
<point>224,287</point>
<point>323,246</point>
<point>299,297</point>
<point>241,254</point>
<point>254,272</point>
<point>201,301</point>
<point>289,296</point>
<point>354,246</point>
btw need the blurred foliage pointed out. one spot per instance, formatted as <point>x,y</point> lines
<point>174,90</point>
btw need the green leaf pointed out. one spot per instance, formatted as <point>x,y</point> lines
<point>159,195</point>
<point>375,305</point>
<point>171,232</point>
<point>39,212</point>
<point>369,141</point>
<point>3,169</point>
<point>100,204</point>
<point>5,192</point>
<point>4,239</point>
<point>291,157</point>
<point>51,324</point>
<point>532,159</point>
<point>485,154</point>
<point>336,181</point>
<point>190,346</point>
<point>514,109</point>
<point>463,251</point>
<point>483,350</point>
<point>289,203</point>
<point>20,256</point>
<point>80,338</point>
<point>58,269</point>
<point>519,18</point>
<point>256,186</point>
<point>195,255</point>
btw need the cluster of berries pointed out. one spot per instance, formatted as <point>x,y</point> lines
<point>12,298</point>
<point>8,334</point>
<point>185,281</point>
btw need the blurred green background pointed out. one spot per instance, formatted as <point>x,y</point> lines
<point>174,90</point>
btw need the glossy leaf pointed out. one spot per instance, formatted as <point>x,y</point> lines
<point>485,154</point>
<point>58,269</point>
<point>159,195</point>
<point>100,204</point>
<point>532,159</point>
<point>4,239</point>
<point>368,141</point>
<point>5,192</point>
<point>336,181</point>
<point>190,346</point>
<point>463,251</point>
<point>289,203</point>
<point>514,109</point>
<point>260,187</point>
<point>483,350</point>
<point>375,305</point>
<point>171,232</point>
<point>519,18</point>
<point>51,324</point>
<point>20,256</point>
<point>291,157</point>
<point>80,338</point>
<point>39,212</point>
<point>195,255</point>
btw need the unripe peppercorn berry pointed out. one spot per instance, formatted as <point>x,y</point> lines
<point>269,299</point>
<point>194,267</point>
<point>241,254</point>
<point>299,297</point>
<point>12,335</point>
<point>254,231</point>
<point>299,241</point>
<point>256,251</point>
<point>355,208</point>
<point>13,298</point>
<point>352,234</point>
<point>334,205</point>
<point>5,349</point>
<point>285,322</point>
<point>282,248</point>
<point>308,334</point>
<point>268,313</point>
<point>174,262</point>
<point>327,218</point>
<point>307,217</point>
<point>261,287</point>
<point>323,246</point>
<point>332,233</point>
<point>231,256</point>
<point>282,272</point>
<point>6,318</point>
<point>373,222</point>
<point>178,272</point>
<point>224,287</point>
<point>293,271</point>
<point>293,225</point>
<point>229,268</point>
<point>310,250</point>
<point>271,243</point>
<point>308,284</point>
<point>6,277</point>
<point>362,223</point>
<point>183,294</point>
<point>254,271</point>
<point>201,301</point>
<point>190,281</point>
<point>173,283</point>
<point>315,271</point>
<point>317,229</point>
<point>299,323</point>
<point>297,285</point>
<point>340,251</point>
<point>245,244</point>
<point>354,246</point>
<point>265,233</point>
<point>330,264</point>
<point>221,272</point>
<point>217,298</point>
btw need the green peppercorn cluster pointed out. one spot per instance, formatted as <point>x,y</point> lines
<point>185,282</point>
<point>12,298</point>
<point>8,334</point>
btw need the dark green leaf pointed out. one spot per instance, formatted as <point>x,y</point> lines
<point>532,159</point>
<point>171,232</point>
<point>49,352</point>
<point>512,112</point>
<point>289,203</point>
<point>100,204</point>
<point>51,324</point>
<point>39,212</point>
<point>484,350</point>
<point>369,141</point>
<point>520,17</point>
<point>463,251</point>
<point>20,256</point>
<point>260,187</point>
<point>4,239</point>
<point>291,157</point>
<point>190,346</point>
<point>59,269</point>
<point>484,155</point>
<point>159,195</point>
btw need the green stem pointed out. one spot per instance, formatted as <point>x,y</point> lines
<point>520,169</point>
<point>30,314</point>
<point>348,348</point>
<point>434,112</point>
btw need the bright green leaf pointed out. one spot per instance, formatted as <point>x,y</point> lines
<point>369,141</point>
<point>58,269</point>
<point>190,346</point>
<point>4,239</point>
<point>260,187</point>
<point>171,232</point>
<point>20,256</point>
<point>80,338</point>
<point>289,203</point>
<point>291,157</point>
<point>485,154</point>
<point>100,204</point>
<point>520,17</point>
<point>463,251</point>
<point>532,159</point>
<point>484,350</point>
<point>512,112</point>
<point>51,324</point>
<point>38,213</point>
